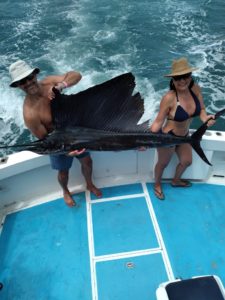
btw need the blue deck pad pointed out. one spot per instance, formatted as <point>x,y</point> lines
<point>192,222</point>
<point>117,281</point>
<point>120,190</point>
<point>44,253</point>
<point>122,225</point>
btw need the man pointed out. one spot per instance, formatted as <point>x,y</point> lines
<point>38,119</point>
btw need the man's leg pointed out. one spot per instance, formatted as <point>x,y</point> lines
<point>63,178</point>
<point>86,168</point>
<point>63,163</point>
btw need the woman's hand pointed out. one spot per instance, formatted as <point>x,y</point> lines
<point>210,120</point>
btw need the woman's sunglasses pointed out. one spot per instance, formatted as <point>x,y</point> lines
<point>180,77</point>
<point>24,80</point>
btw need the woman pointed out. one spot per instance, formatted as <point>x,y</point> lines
<point>177,108</point>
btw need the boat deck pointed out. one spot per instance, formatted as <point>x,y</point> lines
<point>119,247</point>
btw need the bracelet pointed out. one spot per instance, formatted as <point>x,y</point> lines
<point>65,84</point>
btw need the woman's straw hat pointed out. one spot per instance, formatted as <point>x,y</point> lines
<point>19,70</point>
<point>180,67</point>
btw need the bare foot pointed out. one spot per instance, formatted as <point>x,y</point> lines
<point>69,200</point>
<point>92,188</point>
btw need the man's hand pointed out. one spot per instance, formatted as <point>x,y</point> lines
<point>51,94</point>
<point>142,148</point>
<point>76,152</point>
<point>59,86</point>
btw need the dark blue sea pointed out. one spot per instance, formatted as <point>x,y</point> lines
<point>102,39</point>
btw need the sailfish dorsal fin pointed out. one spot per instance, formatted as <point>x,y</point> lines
<point>109,106</point>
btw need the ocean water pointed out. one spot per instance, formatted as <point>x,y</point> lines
<point>102,39</point>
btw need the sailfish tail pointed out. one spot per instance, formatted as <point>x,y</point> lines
<point>197,136</point>
<point>195,142</point>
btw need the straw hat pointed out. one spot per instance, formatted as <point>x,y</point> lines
<point>180,67</point>
<point>19,70</point>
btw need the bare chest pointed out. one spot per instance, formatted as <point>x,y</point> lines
<point>45,115</point>
<point>40,112</point>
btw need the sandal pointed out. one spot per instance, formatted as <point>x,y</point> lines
<point>159,194</point>
<point>183,184</point>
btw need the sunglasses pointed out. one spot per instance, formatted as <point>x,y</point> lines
<point>180,77</point>
<point>24,80</point>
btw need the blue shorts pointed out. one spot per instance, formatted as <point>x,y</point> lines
<point>62,162</point>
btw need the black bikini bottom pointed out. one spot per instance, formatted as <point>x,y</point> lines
<point>173,134</point>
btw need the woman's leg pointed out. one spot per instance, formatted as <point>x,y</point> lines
<point>184,153</point>
<point>164,157</point>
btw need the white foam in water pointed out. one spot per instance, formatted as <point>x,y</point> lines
<point>210,77</point>
<point>151,99</point>
<point>104,41</point>
<point>10,111</point>
<point>204,48</point>
<point>103,35</point>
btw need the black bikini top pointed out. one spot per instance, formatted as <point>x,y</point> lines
<point>181,114</point>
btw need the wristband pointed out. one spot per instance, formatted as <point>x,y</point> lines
<point>65,84</point>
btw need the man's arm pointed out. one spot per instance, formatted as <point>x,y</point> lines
<point>63,81</point>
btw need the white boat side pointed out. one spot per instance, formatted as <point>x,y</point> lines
<point>27,178</point>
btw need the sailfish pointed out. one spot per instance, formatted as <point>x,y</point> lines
<point>104,118</point>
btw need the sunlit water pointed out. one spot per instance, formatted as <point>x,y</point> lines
<point>102,39</point>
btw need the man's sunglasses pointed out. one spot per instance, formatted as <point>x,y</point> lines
<point>180,77</point>
<point>24,80</point>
